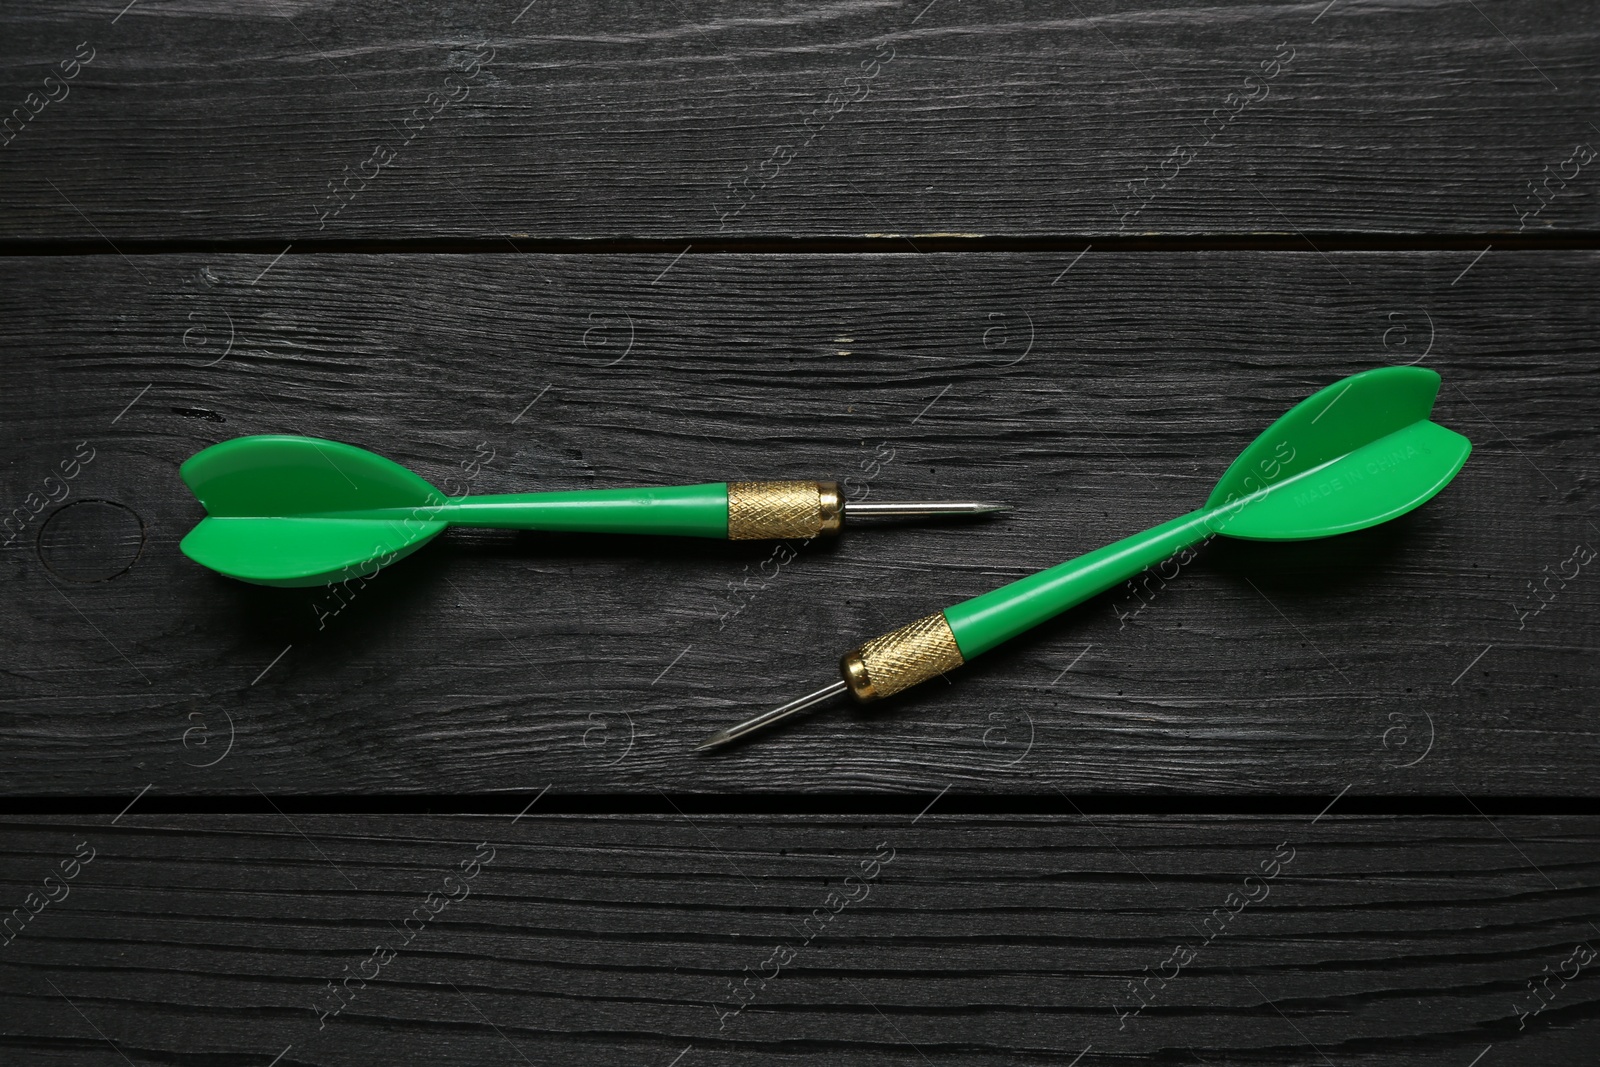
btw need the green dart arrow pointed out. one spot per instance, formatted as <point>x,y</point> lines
<point>300,511</point>
<point>1358,453</point>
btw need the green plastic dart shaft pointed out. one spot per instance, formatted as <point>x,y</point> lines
<point>1355,454</point>
<point>985,621</point>
<point>676,510</point>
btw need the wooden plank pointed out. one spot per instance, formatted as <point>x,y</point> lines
<point>1415,658</point>
<point>313,121</point>
<point>623,940</point>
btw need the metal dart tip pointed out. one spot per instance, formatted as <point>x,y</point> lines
<point>761,722</point>
<point>920,509</point>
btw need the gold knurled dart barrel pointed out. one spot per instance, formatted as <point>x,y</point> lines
<point>901,658</point>
<point>775,511</point>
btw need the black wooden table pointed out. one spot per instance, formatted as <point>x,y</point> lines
<point>1319,803</point>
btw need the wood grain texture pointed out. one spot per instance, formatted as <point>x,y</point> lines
<point>503,661</point>
<point>615,940</point>
<point>223,121</point>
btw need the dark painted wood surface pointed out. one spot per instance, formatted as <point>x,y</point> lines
<point>1101,394</point>
<point>1095,353</point>
<point>620,940</point>
<point>295,121</point>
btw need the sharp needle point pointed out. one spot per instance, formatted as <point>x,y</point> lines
<point>749,726</point>
<point>917,509</point>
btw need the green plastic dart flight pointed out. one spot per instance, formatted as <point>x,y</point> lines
<point>301,511</point>
<point>1355,454</point>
